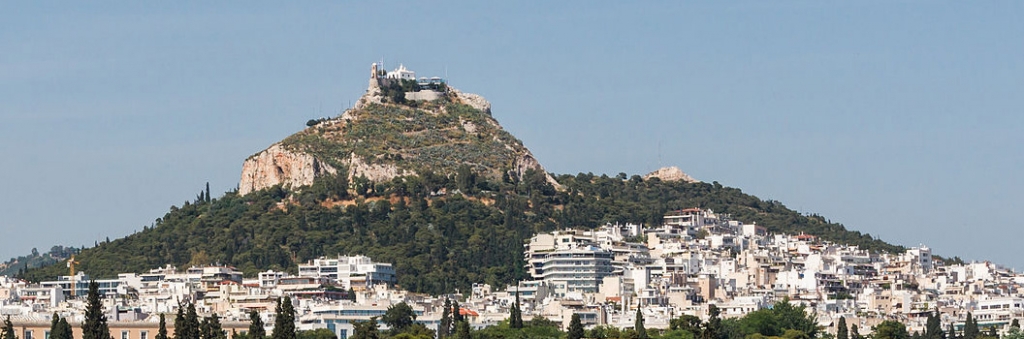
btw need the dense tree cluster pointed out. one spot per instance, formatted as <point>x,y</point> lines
<point>462,220</point>
<point>437,243</point>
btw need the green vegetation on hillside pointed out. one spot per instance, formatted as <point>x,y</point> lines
<point>437,243</point>
<point>438,136</point>
<point>462,220</point>
<point>17,266</point>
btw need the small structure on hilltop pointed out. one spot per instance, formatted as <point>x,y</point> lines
<point>402,85</point>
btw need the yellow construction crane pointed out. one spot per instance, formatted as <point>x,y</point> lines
<point>71,266</point>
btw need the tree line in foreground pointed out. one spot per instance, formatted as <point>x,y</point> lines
<point>783,320</point>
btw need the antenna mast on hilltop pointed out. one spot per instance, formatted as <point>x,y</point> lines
<point>659,153</point>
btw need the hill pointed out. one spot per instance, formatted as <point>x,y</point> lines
<point>387,136</point>
<point>436,187</point>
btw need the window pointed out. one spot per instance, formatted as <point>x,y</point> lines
<point>46,334</point>
<point>144,335</point>
<point>28,334</point>
<point>124,335</point>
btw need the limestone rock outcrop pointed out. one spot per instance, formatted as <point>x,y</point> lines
<point>279,166</point>
<point>670,174</point>
<point>474,100</point>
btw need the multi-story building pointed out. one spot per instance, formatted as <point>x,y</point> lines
<point>356,272</point>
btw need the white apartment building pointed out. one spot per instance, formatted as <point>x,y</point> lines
<point>998,311</point>
<point>580,269</point>
<point>356,272</point>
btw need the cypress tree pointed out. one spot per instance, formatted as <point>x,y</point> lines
<point>284,325</point>
<point>841,331</point>
<point>933,327</point>
<point>8,331</point>
<point>55,327</point>
<point>576,327</point>
<point>65,330</point>
<point>161,332</point>
<point>179,322</point>
<point>971,330</point>
<point>456,314</point>
<point>256,330</point>
<point>95,325</point>
<point>191,323</point>
<point>444,329</point>
<point>952,332</point>
<point>204,329</point>
<point>854,333</point>
<point>213,329</point>
<point>516,314</point>
<point>992,332</point>
<point>641,332</point>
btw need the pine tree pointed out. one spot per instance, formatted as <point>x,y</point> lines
<point>638,326</point>
<point>365,329</point>
<point>444,329</point>
<point>95,325</point>
<point>8,330</point>
<point>256,330</point>
<point>1015,324</point>
<point>576,327</point>
<point>161,332</point>
<point>462,330</point>
<point>284,325</point>
<point>841,331</point>
<point>713,328</point>
<point>992,332</point>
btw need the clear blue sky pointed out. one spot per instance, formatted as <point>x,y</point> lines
<point>901,119</point>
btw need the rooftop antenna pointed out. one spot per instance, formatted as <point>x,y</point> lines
<point>659,153</point>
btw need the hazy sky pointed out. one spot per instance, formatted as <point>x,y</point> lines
<point>901,119</point>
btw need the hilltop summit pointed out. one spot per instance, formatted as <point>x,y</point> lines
<point>401,126</point>
<point>671,173</point>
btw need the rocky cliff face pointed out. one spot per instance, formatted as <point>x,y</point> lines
<point>279,166</point>
<point>379,140</point>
